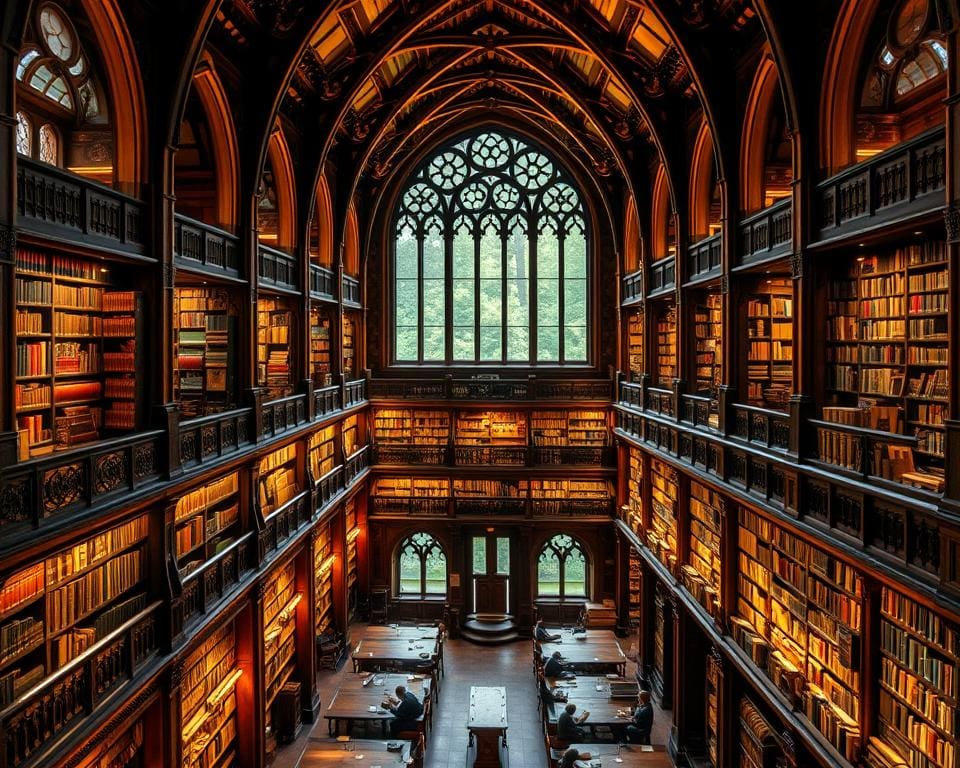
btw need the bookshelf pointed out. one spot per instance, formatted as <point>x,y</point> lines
<point>661,617</point>
<point>275,340</point>
<point>661,536</point>
<point>574,427</point>
<point>349,345</point>
<point>634,500</point>
<point>479,489</point>
<point>206,520</point>
<point>124,752</point>
<point>667,369</point>
<point>635,589</point>
<point>79,353</point>
<point>799,618</point>
<point>635,345</point>
<point>208,702</point>
<point>769,321</point>
<point>714,679</point>
<point>53,610</point>
<point>280,602</point>
<point>708,347</point>
<point>351,434</point>
<point>917,712</point>
<point>491,428</point>
<point>556,497</point>
<point>886,352</point>
<point>323,560</point>
<point>277,481</point>
<point>352,570</point>
<point>758,746</point>
<point>701,574</point>
<point>205,322</point>
<point>401,426</point>
<point>322,450</point>
<point>320,351</point>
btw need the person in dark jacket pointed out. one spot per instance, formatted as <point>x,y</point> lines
<point>570,757</point>
<point>549,697</point>
<point>543,634</point>
<point>568,726</point>
<point>554,665</point>
<point>642,721</point>
<point>406,708</point>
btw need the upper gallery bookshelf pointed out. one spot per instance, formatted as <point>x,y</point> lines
<point>349,345</point>
<point>275,339</point>
<point>277,482</point>
<point>708,335</point>
<point>280,601</point>
<point>205,321</point>
<point>208,701</point>
<point>352,568</point>
<point>53,610</point>
<point>666,344</point>
<point>206,520</point>
<point>635,344</point>
<point>79,352</point>
<point>886,353</point>
<point>662,534</point>
<point>701,574</point>
<point>320,352</point>
<point>769,340</point>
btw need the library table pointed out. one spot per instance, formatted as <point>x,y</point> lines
<point>393,632</point>
<point>593,658</point>
<point>355,753</point>
<point>631,756</point>
<point>590,637</point>
<point>352,701</point>
<point>611,713</point>
<point>487,724</point>
<point>590,687</point>
<point>399,654</point>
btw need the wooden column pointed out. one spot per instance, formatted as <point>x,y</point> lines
<point>8,253</point>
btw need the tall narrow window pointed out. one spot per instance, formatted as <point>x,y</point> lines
<point>24,135</point>
<point>491,258</point>
<point>421,566</point>
<point>562,569</point>
<point>49,144</point>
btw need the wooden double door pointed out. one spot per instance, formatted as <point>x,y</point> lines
<point>490,557</point>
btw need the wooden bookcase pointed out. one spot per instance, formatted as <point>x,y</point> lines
<point>322,449</point>
<point>206,520</point>
<point>571,427</point>
<point>492,428</point>
<point>635,499</point>
<point>208,702</point>
<point>352,567</point>
<point>204,378</point>
<point>275,339</point>
<point>323,561</point>
<point>53,610</point>
<point>666,348</point>
<point>321,354</point>
<point>769,343</point>
<point>758,744</point>
<point>701,574</point>
<point>661,536</point>
<point>403,426</point>
<point>708,345</point>
<point>278,481</point>
<point>635,361</point>
<point>280,600</point>
<point>714,736</point>
<point>79,353</point>
<point>349,345</point>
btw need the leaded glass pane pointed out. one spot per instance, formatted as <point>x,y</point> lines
<point>409,571</point>
<point>548,574</point>
<point>574,574</point>
<point>24,135</point>
<point>479,554</point>
<point>49,144</point>
<point>503,555</point>
<point>436,572</point>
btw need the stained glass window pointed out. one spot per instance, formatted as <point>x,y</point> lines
<point>491,258</point>
<point>56,33</point>
<point>24,135</point>
<point>49,144</point>
<point>562,569</point>
<point>421,566</point>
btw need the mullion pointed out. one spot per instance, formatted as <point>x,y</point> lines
<point>476,291</point>
<point>533,235</point>
<point>421,233</point>
<point>503,293</point>
<point>561,309</point>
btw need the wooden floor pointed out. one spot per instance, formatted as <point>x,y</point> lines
<point>466,665</point>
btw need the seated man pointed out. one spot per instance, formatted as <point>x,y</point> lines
<point>571,756</point>
<point>542,634</point>
<point>550,697</point>
<point>554,665</point>
<point>641,723</point>
<point>406,708</point>
<point>568,726</point>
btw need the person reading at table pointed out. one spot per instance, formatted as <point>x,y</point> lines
<point>641,723</point>
<point>548,696</point>
<point>406,708</point>
<point>543,634</point>
<point>568,724</point>
<point>554,665</point>
<point>570,757</point>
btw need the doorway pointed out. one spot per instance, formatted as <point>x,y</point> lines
<point>490,572</point>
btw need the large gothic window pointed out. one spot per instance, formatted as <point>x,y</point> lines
<point>562,569</point>
<point>491,258</point>
<point>421,566</point>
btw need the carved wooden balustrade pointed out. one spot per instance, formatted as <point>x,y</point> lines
<point>351,291</point>
<point>532,388</point>
<point>354,392</point>
<point>698,411</point>
<point>632,288</point>
<point>202,247</point>
<point>283,522</point>
<point>207,438</point>
<point>326,401</point>
<point>212,581</point>
<point>761,426</point>
<point>328,487</point>
<point>663,276</point>
<point>282,415</point>
<point>356,464</point>
<point>321,282</point>
<point>278,269</point>
<point>767,234</point>
<point>704,258</point>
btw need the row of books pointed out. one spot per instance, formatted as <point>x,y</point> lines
<point>86,594</point>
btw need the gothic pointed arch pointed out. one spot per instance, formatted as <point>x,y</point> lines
<point>276,208</point>
<point>765,151</point>
<point>321,225</point>
<point>662,222</point>
<point>632,241</point>
<point>704,204</point>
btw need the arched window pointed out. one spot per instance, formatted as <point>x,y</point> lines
<point>421,567</point>
<point>24,135</point>
<point>562,568</point>
<point>490,258</point>
<point>49,149</point>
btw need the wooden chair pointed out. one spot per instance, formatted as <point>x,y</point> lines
<point>417,751</point>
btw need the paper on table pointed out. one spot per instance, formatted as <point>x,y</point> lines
<point>371,709</point>
<point>646,748</point>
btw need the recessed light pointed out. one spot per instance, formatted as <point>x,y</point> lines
<point>862,245</point>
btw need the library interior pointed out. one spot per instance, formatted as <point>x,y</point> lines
<point>350,347</point>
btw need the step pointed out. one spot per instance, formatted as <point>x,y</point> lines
<point>484,638</point>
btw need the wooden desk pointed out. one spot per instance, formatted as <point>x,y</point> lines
<point>352,701</point>
<point>328,753</point>
<point>631,756</point>
<point>388,632</point>
<point>369,655</point>
<point>613,713</point>
<point>567,637</point>
<point>487,724</point>
<point>584,685</point>
<point>594,658</point>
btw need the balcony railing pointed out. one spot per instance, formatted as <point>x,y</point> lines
<point>571,455</point>
<point>663,276</point>
<point>199,246</point>
<point>660,400</point>
<point>761,426</point>
<point>80,478</point>
<point>326,400</point>
<point>572,507</point>
<point>51,201</point>
<point>767,234</point>
<point>355,464</point>
<point>284,521</point>
<point>436,455</point>
<point>44,713</point>
<point>351,291</point>
<point>409,505</point>
<point>207,438</point>
<point>354,393</point>
<point>328,487</point>
<point>502,455</point>
<point>529,389</point>
<point>277,269</point>
<point>212,581</point>
<point>631,394</point>
<point>321,282</point>
<point>279,416</point>
<point>699,411</point>
<point>632,287</point>
<point>490,505</point>
<point>705,258</point>
<point>906,180</point>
